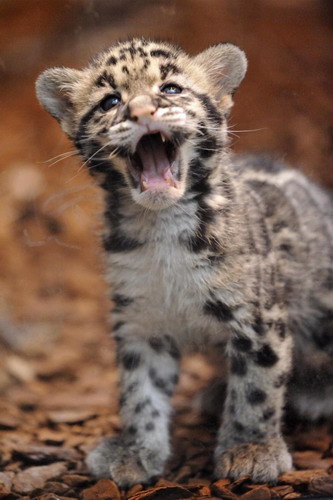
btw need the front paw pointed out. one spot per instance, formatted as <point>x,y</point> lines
<point>263,461</point>
<point>126,464</point>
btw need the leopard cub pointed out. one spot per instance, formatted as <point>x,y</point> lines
<point>202,248</point>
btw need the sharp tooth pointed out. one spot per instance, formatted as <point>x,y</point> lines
<point>162,137</point>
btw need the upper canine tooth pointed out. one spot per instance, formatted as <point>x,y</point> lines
<point>162,137</point>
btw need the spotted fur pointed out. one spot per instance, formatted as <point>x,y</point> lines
<point>235,253</point>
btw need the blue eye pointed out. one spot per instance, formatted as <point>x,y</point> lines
<point>110,102</point>
<point>171,89</point>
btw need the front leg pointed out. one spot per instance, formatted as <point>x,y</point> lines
<point>149,372</point>
<point>250,440</point>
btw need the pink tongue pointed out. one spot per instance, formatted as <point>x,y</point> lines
<point>156,167</point>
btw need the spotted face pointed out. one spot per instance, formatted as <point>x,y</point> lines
<point>149,112</point>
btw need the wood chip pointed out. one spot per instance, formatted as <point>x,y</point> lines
<point>219,488</point>
<point>70,416</point>
<point>9,422</point>
<point>163,493</point>
<point>135,489</point>
<point>20,368</point>
<point>240,482</point>
<point>6,478</point>
<point>311,460</point>
<point>259,493</point>
<point>282,490</point>
<point>50,496</point>
<point>104,489</point>
<point>183,474</point>
<point>56,487</point>
<point>42,454</point>
<point>35,477</point>
<point>322,485</point>
<point>296,477</point>
<point>4,490</point>
<point>76,479</point>
<point>51,436</point>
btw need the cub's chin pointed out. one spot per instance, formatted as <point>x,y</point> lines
<point>159,197</point>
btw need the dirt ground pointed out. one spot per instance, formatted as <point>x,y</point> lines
<point>58,382</point>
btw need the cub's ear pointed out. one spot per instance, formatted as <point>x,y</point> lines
<point>54,88</point>
<point>225,65</point>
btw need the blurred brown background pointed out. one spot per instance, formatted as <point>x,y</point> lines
<point>52,293</point>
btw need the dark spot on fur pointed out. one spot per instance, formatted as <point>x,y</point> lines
<point>238,426</point>
<point>133,386</point>
<point>122,57</point>
<point>159,382</point>
<point>257,434</point>
<point>131,360</point>
<point>160,53</point>
<point>121,301</point>
<point>207,147</point>
<point>155,413</point>
<point>215,260</point>
<point>268,414</point>
<point>231,409</point>
<point>157,344</point>
<point>143,53</point>
<point>256,396</point>
<point>265,356</point>
<point>281,329</point>
<point>119,243</point>
<point>172,347</point>
<point>281,380</point>
<point>285,247</point>
<point>165,69</point>
<point>112,60</point>
<point>258,326</point>
<point>238,365</point>
<point>150,426</point>
<point>141,405</point>
<point>82,127</point>
<point>118,325</point>
<point>228,189</point>
<point>124,69</point>
<point>146,64</point>
<point>211,110</point>
<point>242,343</point>
<point>219,310</point>
<point>104,79</point>
<point>132,430</point>
<point>199,174</point>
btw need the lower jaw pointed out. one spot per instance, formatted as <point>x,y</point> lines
<point>158,198</point>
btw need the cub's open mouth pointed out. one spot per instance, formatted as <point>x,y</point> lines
<point>155,163</point>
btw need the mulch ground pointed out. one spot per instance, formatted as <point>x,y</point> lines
<point>59,404</point>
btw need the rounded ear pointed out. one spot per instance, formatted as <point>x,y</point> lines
<point>226,65</point>
<point>53,90</point>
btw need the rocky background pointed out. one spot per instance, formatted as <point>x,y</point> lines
<point>58,383</point>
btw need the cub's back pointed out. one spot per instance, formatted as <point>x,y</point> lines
<point>290,222</point>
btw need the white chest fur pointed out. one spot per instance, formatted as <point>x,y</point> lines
<point>168,284</point>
